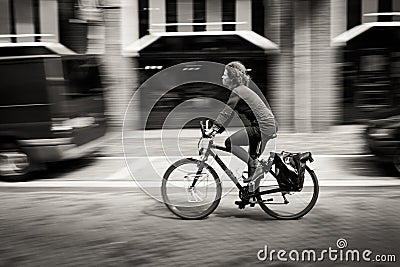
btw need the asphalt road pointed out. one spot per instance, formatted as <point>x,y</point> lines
<point>89,212</point>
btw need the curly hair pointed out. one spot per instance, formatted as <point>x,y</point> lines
<point>237,73</point>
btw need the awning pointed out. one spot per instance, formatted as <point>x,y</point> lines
<point>345,37</point>
<point>263,43</point>
<point>55,48</point>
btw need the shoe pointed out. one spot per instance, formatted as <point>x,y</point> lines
<point>241,204</point>
<point>254,171</point>
<point>252,165</point>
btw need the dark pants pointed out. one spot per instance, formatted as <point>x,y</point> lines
<point>249,136</point>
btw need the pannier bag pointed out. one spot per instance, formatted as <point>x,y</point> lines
<point>290,169</point>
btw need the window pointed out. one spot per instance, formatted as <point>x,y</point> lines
<point>82,77</point>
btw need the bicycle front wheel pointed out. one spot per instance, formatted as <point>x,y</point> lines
<point>291,204</point>
<point>188,201</point>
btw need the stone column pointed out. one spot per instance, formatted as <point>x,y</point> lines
<point>326,104</point>
<point>302,67</point>
<point>120,78</point>
<point>305,95</point>
<point>279,28</point>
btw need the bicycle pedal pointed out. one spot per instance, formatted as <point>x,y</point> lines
<point>240,204</point>
<point>252,202</point>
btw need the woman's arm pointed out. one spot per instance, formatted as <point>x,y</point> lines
<point>226,115</point>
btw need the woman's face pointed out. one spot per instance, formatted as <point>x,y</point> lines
<point>225,78</point>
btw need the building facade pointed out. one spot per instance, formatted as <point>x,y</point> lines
<point>300,77</point>
<point>299,71</point>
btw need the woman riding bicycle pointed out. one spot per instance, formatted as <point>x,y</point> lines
<point>261,124</point>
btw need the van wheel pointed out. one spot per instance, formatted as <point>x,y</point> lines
<point>14,162</point>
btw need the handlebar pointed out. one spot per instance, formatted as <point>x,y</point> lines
<point>203,128</point>
<point>204,146</point>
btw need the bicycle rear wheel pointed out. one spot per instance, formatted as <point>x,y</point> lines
<point>186,201</point>
<point>289,205</point>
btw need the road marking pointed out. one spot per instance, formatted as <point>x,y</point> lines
<point>343,156</point>
<point>144,163</point>
<point>158,165</point>
<point>122,173</point>
<point>133,184</point>
<point>196,156</point>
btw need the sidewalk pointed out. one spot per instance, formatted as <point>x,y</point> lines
<point>339,140</point>
<point>340,154</point>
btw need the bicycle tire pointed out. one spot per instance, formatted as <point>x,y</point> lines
<point>187,212</point>
<point>280,215</point>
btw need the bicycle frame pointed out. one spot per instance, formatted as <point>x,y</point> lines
<point>210,152</point>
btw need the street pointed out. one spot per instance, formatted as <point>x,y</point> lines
<point>90,212</point>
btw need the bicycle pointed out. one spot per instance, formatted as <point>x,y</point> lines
<point>192,189</point>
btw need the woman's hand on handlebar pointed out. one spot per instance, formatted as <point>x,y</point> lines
<point>212,131</point>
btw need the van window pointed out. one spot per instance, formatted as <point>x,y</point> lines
<point>22,83</point>
<point>82,78</point>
